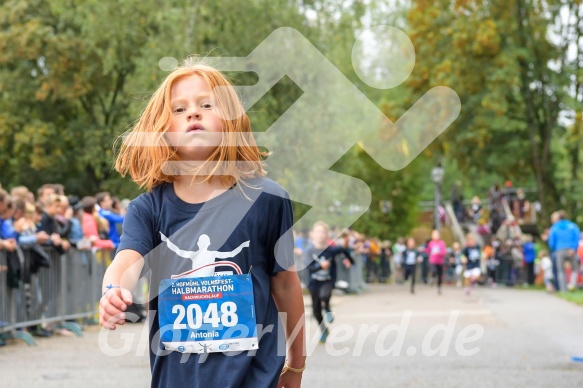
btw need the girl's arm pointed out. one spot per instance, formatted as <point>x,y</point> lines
<point>120,278</point>
<point>287,293</point>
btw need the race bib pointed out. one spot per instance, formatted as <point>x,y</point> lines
<point>208,314</point>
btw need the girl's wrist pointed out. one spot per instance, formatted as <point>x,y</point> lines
<point>288,368</point>
<point>109,287</point>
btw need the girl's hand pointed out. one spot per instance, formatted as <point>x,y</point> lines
<point>347,263</point>
<point>112,306</point>
<point>325,264</point>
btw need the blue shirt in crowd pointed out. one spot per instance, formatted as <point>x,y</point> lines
<point>564,234</point>
<point>113,220</point>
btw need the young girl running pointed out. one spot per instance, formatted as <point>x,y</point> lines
<point>322,266</point>
<point>411,256</point>
<point>472,255</point>
<point>207,211</point>
<point>436,250</point>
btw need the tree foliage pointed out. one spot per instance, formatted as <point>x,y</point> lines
<point>510,63</point>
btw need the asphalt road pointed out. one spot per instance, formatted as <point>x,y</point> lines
<point>384,337</point>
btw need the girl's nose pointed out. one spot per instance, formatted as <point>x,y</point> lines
<point>194,113</point>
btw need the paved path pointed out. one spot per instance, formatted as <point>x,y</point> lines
<point>384,337</point>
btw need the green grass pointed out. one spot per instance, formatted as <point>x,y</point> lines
<point>572,296</point>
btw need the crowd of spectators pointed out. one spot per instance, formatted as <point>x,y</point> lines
<point>52,220</point>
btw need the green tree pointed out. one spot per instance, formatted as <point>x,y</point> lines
<point>496,55</point>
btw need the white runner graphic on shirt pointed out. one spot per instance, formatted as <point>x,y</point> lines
<point>204,260</point>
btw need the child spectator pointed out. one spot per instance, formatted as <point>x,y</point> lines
<point>547,266</point>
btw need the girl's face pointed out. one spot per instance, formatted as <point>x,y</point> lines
<point>435,235</point>
<point>196,130</point>
<point>411,243</point>
<point>320,234</point>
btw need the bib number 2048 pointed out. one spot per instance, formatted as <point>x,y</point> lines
<point>195,317</point>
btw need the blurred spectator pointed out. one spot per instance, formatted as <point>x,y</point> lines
<point>385,261</point>
<point>564,239</point>
<point>22,192</point>
<point>90,223</point>
<point>7,240</point>
<point>509,230</point>
<point>521,206</point>
<point>492,261</point>
<point>44,192</point>
<point>504,256</point>
<point>73,215</point>
<point>301,241</point>
<point>495,198</point>
<point>51,226</point>
<point>398,250</point>
<point>547,266</point>
<point>457,201</point>
<point>529,252</point>
<point>25,226</point>
<point>105,204</point>
<point>475,210</point>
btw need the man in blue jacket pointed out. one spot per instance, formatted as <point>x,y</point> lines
<point>563,241</point>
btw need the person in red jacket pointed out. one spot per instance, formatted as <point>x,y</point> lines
<point>90,226</point>
<point>436,250</point>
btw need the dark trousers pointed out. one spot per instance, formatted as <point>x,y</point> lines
<point>506,272</point>
<point>410,271</point>
<point>438,271</point>
<point>492,274</point>
<point>425,269</point>
<point>555,272</point>
<point>385,270</point>
<point>321,293</point>
<point>530,273</point>
<point>371,269</point>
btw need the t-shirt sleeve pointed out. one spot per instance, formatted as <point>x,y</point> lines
<point>138,228</point>
<point>282,240</point>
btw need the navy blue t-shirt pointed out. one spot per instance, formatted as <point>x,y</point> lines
<point>473,255</point>
<point>253,219</point>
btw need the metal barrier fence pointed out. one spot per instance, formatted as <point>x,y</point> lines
<point>68,290</point>
<point>353,277</point>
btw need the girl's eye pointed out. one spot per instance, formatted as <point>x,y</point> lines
<point>178,110</point>
<point>207,105</point>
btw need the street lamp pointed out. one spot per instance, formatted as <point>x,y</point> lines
<point>437,176</point>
